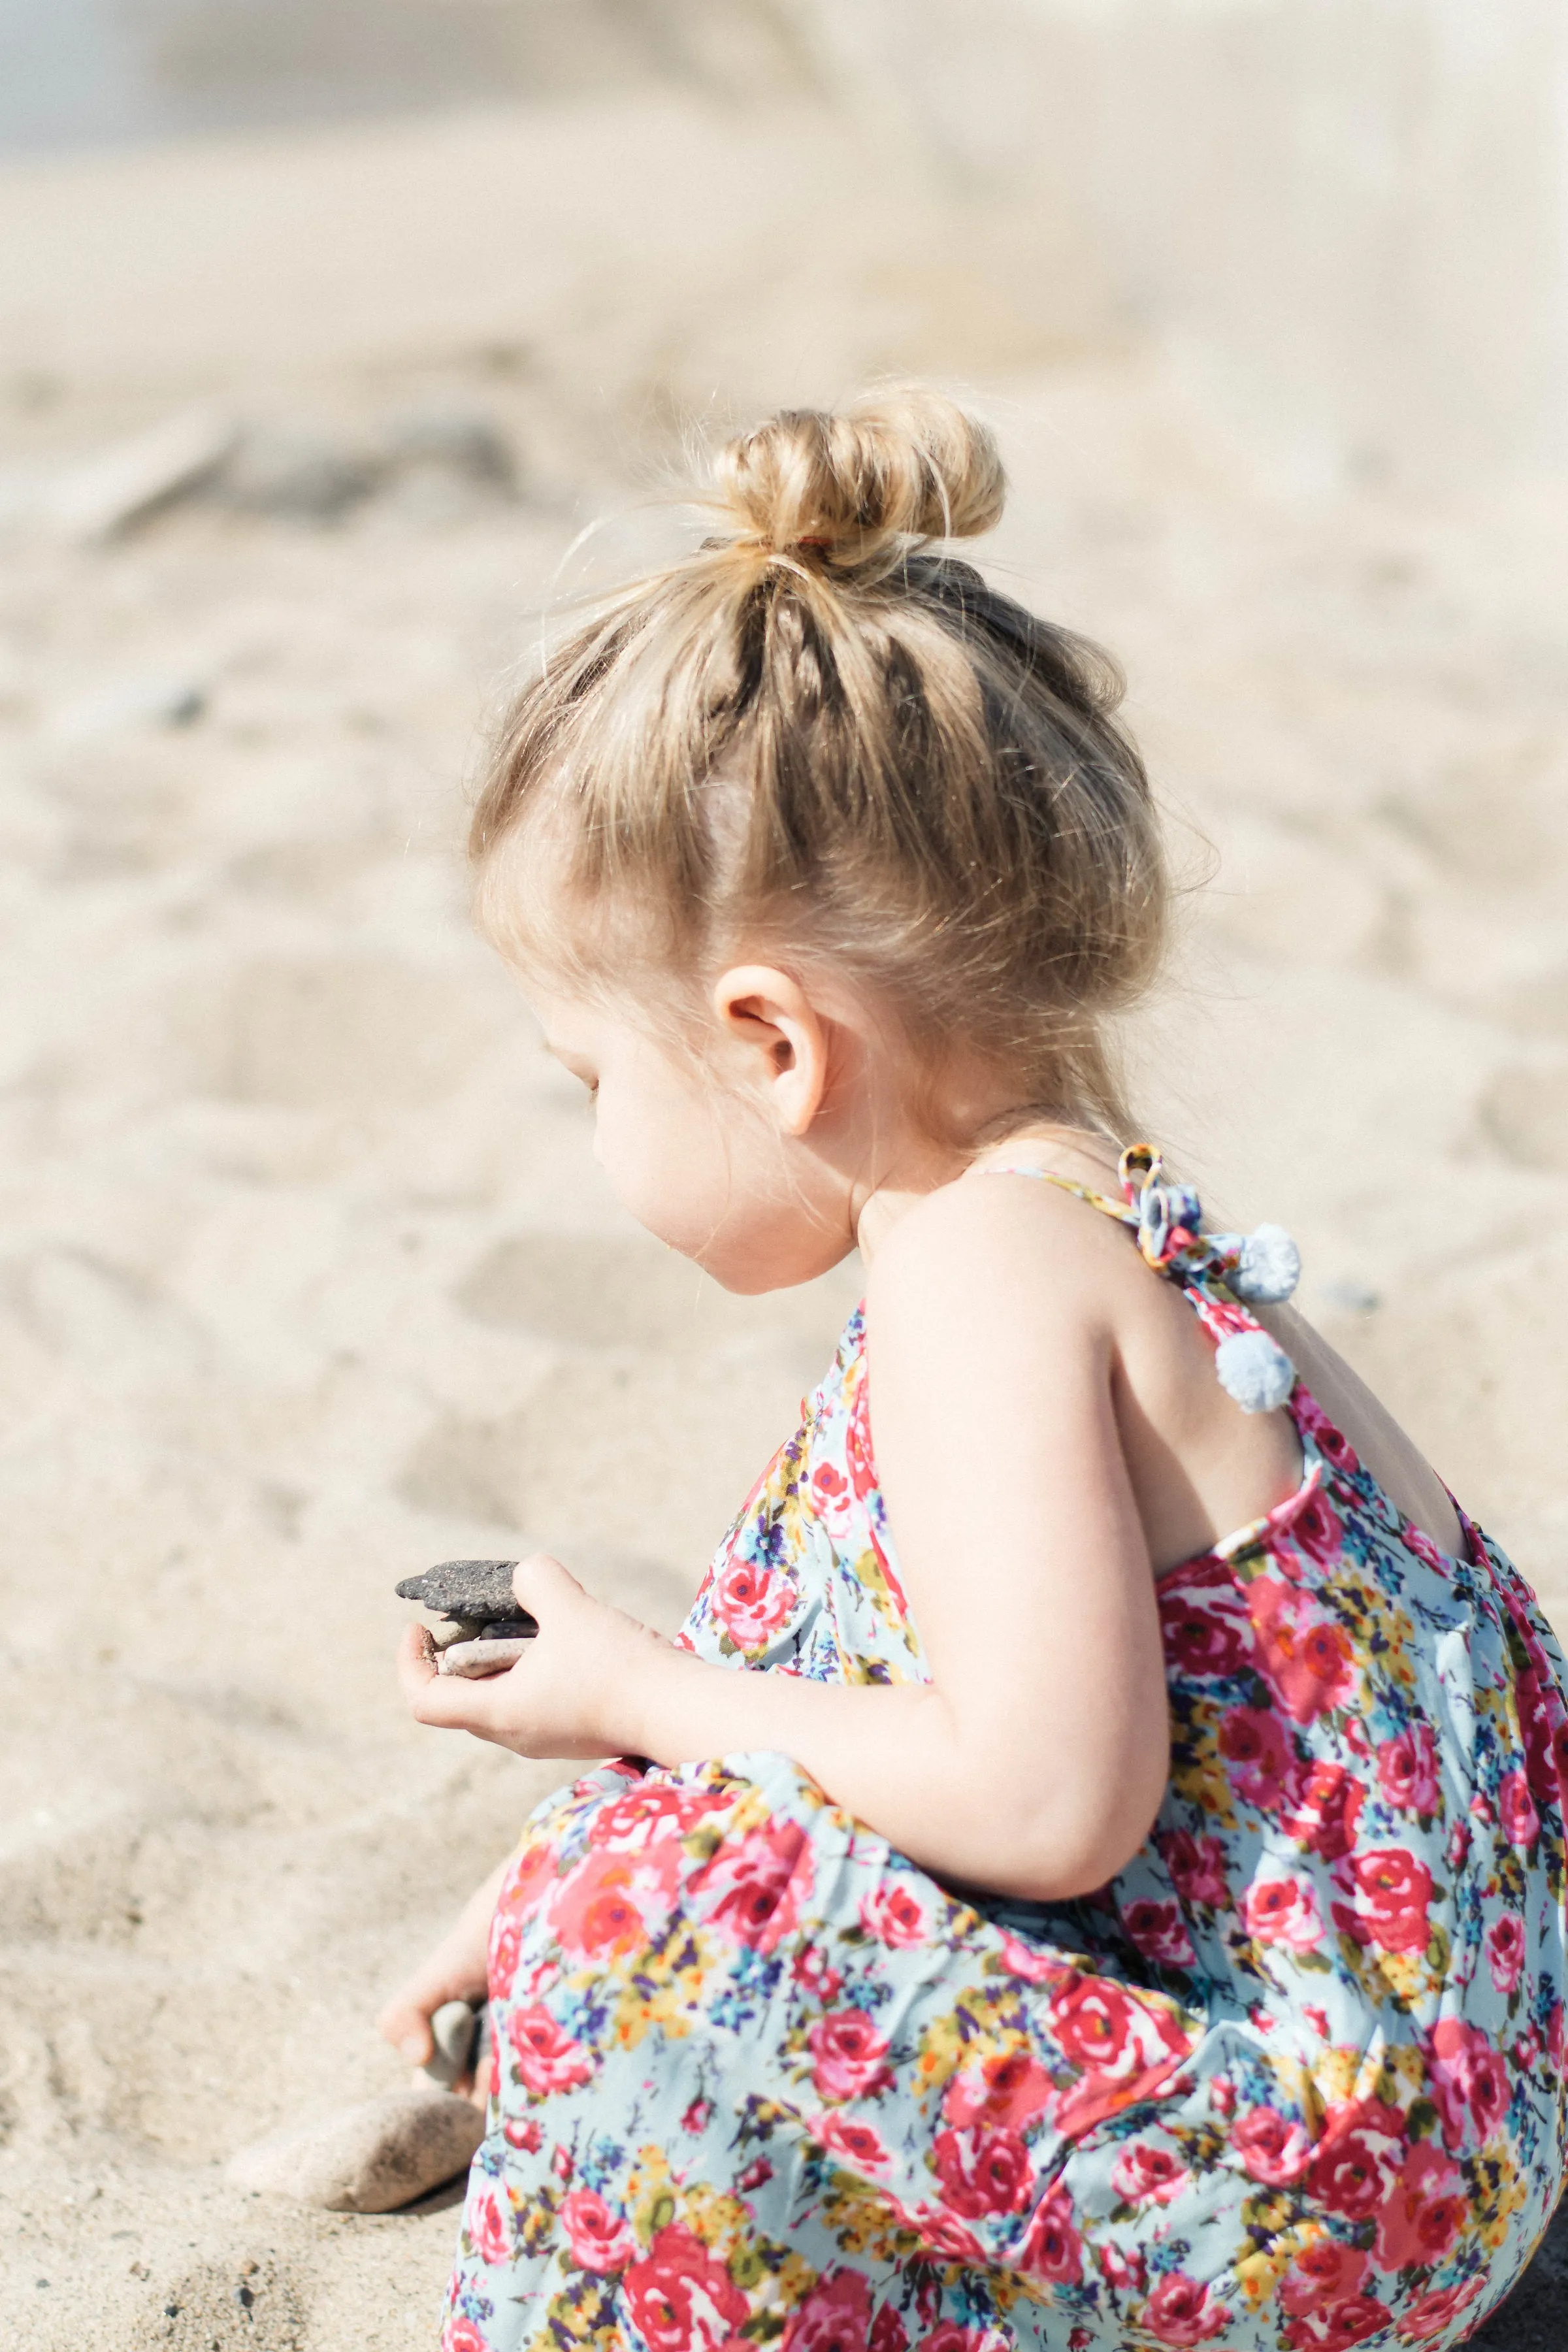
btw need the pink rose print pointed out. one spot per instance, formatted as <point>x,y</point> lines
<point>526,2135</point>
<point>1316,1530</point>
<point>1327,2272</point>
<point>1434,2315</point>
<point>608,1903</point>
<point>751,1602</point>
<point>679,2298</point>
<point>894,1916</point>
<point>1307,1657</point>
<point>1330,1443</point>
<point>600,2238</point>
<point>1124,2046</point>
<point>1204,1641</point>
<point>1124,2267</point>
<point>461,2335</point>
<point>1159,1931</point>
<point>1008,2089</point>
<point>1423,2213</point>
<point>850,2056</point>
<point>983,2171</point>
<point>942,2234</point>
<point>1408,1771</point>
<point>1282,1911</point>
<point>755,1887</point>
<point>1035,1968</point>
<point>1539,1716</point>
<point>1392,1893</point>
<point>1468,2080</point>
<point>1505,1950</point>
<point>1182,2310</point>
<point>547,2058</point>
<point>1272,2148</point>
<point>698,2116</point>
<point>1052,2248</point>
<point>831,1496</point>
<point>657,1811</point>
<point>1147,2173</point>
<point>1336,2325</point>
<point>1516,1808</point>
<point>1325,1811</point>
<point>1196,1866</point>
<point>1263,1770</point>
<point>888,2333</point>
<point>757,2175</point>
<point>861,2148</point>
<point>489,2229</point>
<point>835,2318</point>
<point>1359,2159</point>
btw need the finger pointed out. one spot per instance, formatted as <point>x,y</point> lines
<point>415,1660</point>
<point>408,2028</point>
<point>462,1702</point>
<point>539,1579</point>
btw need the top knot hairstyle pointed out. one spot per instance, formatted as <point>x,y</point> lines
<point>822,739</point>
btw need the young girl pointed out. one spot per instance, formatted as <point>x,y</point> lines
<point>1090,1872</point>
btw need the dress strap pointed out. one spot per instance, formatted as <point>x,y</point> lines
<point>1219,1272</point>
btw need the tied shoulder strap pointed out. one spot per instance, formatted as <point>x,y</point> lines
<point>1222,1272</point>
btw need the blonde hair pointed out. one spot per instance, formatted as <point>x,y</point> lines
<point>819,734</point>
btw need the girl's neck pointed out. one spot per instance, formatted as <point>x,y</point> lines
<point>924,1167</point>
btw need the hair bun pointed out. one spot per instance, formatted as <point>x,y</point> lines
<point>857,487</point>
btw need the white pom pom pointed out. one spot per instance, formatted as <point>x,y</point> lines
<point>1255,1369</point>
<point>1269,1266</point>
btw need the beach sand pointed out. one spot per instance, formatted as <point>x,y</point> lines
<point>309,1278</point>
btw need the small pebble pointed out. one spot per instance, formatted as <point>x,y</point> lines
<point>452,2027</point>
<point>475,1658</point>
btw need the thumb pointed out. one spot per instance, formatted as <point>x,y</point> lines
<point>539,1581</point>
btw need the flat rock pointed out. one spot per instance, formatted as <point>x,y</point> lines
<point>368,2158</point>
<point>111,492</point>
<point>476,1589</point>
<point>477,1658</point>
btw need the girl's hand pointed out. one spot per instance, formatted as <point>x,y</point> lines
<point>566,1696</point>
<point>454,1971</point>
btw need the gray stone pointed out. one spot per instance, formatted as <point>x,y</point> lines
<point>479,1590</point>
<point>155,699</point>
<point>459,440</point>
<point>297,474</point>
<point>477,1658</point>
<point>111,493</point>
<point>369,2158</point>
<point>455,2029</point>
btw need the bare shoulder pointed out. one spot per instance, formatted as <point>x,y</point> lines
<point>1002,1242</point>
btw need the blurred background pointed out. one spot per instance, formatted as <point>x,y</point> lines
<point>341,345</point>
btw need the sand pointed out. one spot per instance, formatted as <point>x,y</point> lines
<point>309,1278</point>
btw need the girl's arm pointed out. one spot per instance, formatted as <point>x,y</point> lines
<point>455,1970</point>
<point>1035,1760</point>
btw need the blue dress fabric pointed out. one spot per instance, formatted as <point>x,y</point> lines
<point>1293,2079</point>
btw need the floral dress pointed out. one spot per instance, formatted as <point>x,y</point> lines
<point>1295,2078</point>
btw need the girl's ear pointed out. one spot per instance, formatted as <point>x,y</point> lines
<point>782,1040</point>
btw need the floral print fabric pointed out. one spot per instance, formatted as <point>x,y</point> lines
<point>1294,2079</point>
